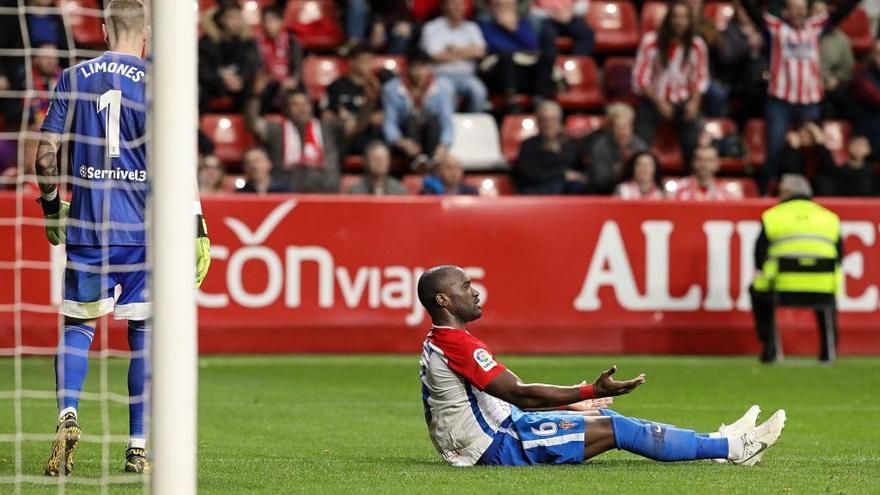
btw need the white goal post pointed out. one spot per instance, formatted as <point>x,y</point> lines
<point>175,346</point>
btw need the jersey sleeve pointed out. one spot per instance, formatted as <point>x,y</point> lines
<point>56,117</point>
<point>469,357</point>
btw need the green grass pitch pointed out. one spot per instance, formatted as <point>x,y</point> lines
<point>354,424</point>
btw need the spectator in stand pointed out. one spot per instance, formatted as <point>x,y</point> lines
<point>304,150</point>
<point>702,184</point>
<point>742,64</point>
<point>228,57</point>
<point>447,179</point>
<point>795,90</point>
<point>837,62</point>
<point>610,148</point>
<point>643,178</point>
<point>211,174</point>
<point>418,113</point>
<point>866,92</point>
<point>393,26</point>
<point>45,71</point>
<point>456,44</point>
<point>258,174</point>
<point>549,163</point>
<point>354,99</point>
<point>563,18</point>
<point>671,73</point>
<point>515,64</point>
<point>857,177</point>
<point>715,98</point>
<point>280,56</point>
<point>376,181</point>
<point>45,29</point>
<point>805,152</point>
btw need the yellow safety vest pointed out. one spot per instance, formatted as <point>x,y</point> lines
<point>802,231</point>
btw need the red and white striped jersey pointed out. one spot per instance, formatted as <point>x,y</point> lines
<point>462,419</point>
<point>795,75</point>
<point>690,188</point>
<point>680,78</point>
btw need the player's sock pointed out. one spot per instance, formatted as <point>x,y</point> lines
<point>71,365</point>
<point>138,374</point>
<point>663,443</point>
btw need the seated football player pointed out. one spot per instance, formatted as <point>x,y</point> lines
<point>480,412</point>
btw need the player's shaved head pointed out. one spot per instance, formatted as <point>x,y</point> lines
<point>125,19</point>
<point>447,295</point>
<point>435,281</point>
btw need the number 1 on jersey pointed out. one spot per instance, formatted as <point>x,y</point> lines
<point>112,101</point>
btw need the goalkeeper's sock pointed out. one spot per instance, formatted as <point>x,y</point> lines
<point>665,443</point>
<point>138,375</point>
<point>72,364</point>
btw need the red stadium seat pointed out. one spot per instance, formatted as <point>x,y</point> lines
<point>315,23</point>
<point>578,126</point>
<point>229,135</point>
<point>653,13</point>
<point>582,79</point>
<point>753,138</point>
<point>86,27</point>
<point>858,27</point>
<point>514,130</point>
<point>720,128</point>
<point>720,13</point>
<point>319,72</point>
<point>491,184</point>
<point>837,134</point>
<point>617,81</point>
<point>424,10</point>
<point>616,25</point>
<point>668,151</point>
<point>413,183</point>
<point>348,180</point>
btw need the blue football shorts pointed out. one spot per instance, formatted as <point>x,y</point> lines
<point>91,278</point>
<point>528,438</point>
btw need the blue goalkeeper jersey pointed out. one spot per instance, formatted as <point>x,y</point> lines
<point>99,106</point>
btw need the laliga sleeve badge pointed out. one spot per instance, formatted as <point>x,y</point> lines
<point>484,359</point>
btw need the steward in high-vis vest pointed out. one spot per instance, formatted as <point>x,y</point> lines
<point>797,263</point>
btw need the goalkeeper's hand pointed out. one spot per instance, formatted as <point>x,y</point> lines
<point>203,251</point>
<point>56,227</point>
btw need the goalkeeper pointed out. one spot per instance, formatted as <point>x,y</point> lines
<point>101,102</point>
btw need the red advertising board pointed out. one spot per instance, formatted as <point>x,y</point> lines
<point>558,275</point>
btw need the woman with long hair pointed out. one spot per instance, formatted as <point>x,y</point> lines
<point>671,74</point>
<point>643,178</point>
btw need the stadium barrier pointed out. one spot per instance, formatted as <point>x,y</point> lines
<point>557,275</point>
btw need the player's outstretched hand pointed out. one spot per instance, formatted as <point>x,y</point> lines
<point>605,386</point>
<point>56,225</point>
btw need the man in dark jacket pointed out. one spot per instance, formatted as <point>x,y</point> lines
<point>549,163</point>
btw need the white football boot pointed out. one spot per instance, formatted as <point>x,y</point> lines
<point>759,439</point>
<point>738,427</point>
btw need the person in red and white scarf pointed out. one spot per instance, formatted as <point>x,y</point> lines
<point>280,57</point>
<point>304,150</point>
<point>671,73</point>
<point>644,180</point>
<point>796,90</point>
<point>702,185</point>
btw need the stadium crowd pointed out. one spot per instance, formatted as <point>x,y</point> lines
<point>640,99</point>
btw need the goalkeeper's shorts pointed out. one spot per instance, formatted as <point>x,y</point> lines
<point>92,276</point>
<point>528,438</point>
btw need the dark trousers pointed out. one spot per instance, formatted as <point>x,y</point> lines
<point>424,129</point>
<point>504,76</point>
<point>687,131</point>
<point>764,311</point>
<point>779,117</point>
